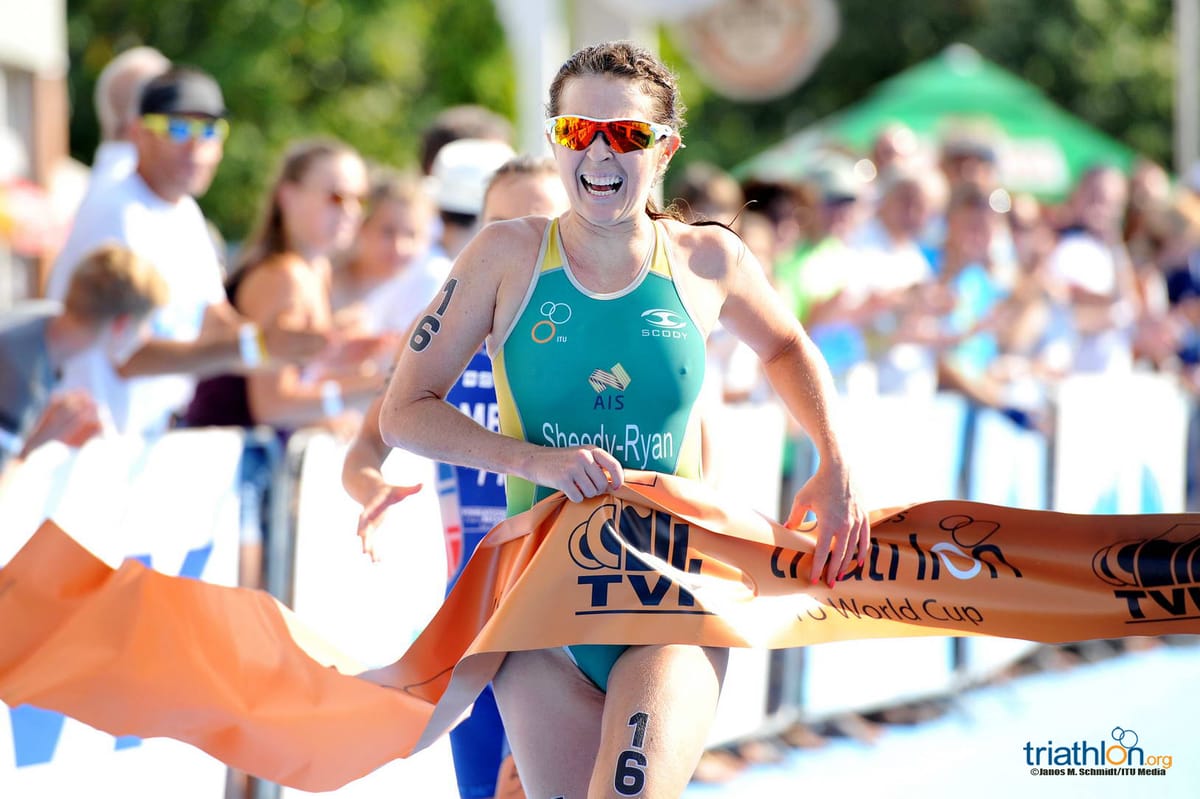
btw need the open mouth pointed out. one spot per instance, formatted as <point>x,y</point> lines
<point>601,186</point>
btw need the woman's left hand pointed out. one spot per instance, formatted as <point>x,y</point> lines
<point>843,527</point>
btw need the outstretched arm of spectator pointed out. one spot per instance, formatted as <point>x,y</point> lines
<point>284,293</point>
<point>220,348</point>
<point>70,417</point>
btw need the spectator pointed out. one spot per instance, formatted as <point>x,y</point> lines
<point>968,331</point>
<point>179,138</point>
<point>823,283</point>
<point>389,274</point>
<point>969,156</point>
<point>791,208</point>
<point>705,192</point>
<point>311,209</point>
<point>1092,265</point>
<point>461,122</point>
<point>460,174</point>
<point>1035,341</point>
<point>888,242</point>
<point>894,146</point>
<point>758,231</point>
<point>1149,190</point>
<point>118,91</point>
<point>1173,337</point>
<point>111,293</point>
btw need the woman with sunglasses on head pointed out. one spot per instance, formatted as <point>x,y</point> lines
<point>596,322</point>
<point>311,210</point>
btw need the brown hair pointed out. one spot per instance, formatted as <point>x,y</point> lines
<point>521,165</point>
<point>389,185</point>
<point>631,62</point>
<point>968,196</point>
<point>112,281</point>
<point>461,122</point>
<point>269,237</point>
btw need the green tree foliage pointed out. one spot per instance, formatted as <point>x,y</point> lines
<point>1110,62</point>
<point>371,72</point>
<point>374,72</point>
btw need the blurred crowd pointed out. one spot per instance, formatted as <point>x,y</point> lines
<point>915,270</point>
<point>911,266</point>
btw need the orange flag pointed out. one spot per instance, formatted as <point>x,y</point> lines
<point>132,651</point>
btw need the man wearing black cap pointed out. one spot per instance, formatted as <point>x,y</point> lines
<point>179,136</point>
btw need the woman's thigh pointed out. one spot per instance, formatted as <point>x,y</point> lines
<point>641,739</point>
<point>657,715</point>
<point>552,715</point>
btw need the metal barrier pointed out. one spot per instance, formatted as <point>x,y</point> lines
<point>177,503</point>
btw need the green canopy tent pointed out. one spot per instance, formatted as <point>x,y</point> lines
<point>1040,148</point>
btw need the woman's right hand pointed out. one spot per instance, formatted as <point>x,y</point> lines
<point>578,472</point>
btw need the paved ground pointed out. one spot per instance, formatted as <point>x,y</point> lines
<point>978,749</point>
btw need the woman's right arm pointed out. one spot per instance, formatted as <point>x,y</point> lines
<point>481,295</point>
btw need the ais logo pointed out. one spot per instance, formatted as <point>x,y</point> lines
<point>601,380</point>
<point>36,732</point>
<point>1159,578</point>
<point>616,546</point>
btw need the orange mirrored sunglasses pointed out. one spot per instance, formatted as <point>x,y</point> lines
<point>622,135</point>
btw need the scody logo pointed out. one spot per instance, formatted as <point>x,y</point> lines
<point>617,545</point>
<point>1164,570</point>
<point>663,323</point>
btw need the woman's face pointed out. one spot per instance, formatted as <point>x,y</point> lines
<point>392,237</point>
<point>321,211</point>
<point>606,187</point>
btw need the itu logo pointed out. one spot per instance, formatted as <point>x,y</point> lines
<point>664,323</point>
<point>1159,578</point>
<point>546,329</point>
<point>615,548</point>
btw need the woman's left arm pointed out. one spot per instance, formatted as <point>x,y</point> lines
<point>754,312</point>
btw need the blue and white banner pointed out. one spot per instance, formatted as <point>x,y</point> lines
<point>171,503</point>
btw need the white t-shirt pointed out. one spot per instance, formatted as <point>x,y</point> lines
<point>1081,259</point>
<point>114,161</point>
<point>888,265</point>
<point>392,306</point>
<point>175,239</point>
